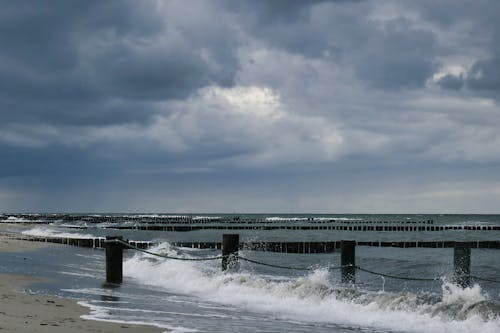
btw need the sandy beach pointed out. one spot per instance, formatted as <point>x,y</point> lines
<point>23,312</point>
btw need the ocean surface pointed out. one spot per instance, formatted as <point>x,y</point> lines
<point>192,296</point>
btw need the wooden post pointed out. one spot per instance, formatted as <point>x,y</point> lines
<point>348,261</point>
<point>461,263</point>
<point>114,260</point>
<point>230,244</point>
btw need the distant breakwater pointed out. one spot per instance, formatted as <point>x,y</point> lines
<point>182,223</point>
<point>282,247</point>
<point>184,219</point>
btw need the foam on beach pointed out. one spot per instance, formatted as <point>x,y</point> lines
<point>102,313</point>
<point>316,298</point>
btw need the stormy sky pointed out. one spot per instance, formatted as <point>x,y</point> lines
<point>250,106</point>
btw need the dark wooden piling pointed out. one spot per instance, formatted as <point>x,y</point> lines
<point>461,263</point>
<point>114,260</point>
<point>348,261</point>
<point>230,244</point>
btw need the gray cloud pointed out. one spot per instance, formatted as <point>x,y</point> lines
<point>78,60</point>
<point>450,81</point>
<point>268,12</point>
<point>397,57</point>
<point>386,54</point>
<point>485,75</point>
<point>482,35</point>
<point>161,104</point>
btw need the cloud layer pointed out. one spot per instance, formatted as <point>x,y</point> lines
<point>320,106</point>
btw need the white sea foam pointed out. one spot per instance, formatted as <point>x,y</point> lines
<point>13,219</point>
<point>317,219</point>
<point>101,313</point>
<point>314,298</point>
<point>48,232</point>
<point>278,218</point>
<point>215,218</point>
<point>78,274</point>
<point>155,215</point>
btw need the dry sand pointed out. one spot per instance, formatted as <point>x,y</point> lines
<point>22,312</point>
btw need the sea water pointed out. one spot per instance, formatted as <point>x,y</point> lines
<point>187,296</point>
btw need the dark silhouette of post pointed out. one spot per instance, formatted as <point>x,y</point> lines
<point>230,244</point>
<point>114,260</point>
<point>348,261</point>
<point>461,263</point>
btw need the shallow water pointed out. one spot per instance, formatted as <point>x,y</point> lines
<point>190,296</point>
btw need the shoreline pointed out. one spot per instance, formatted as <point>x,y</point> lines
<point>24,312</point>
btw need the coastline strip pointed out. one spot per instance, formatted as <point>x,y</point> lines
<point>24,312</point>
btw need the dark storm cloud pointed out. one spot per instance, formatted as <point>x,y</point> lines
<point>73,60</point>
<point>144,100</point>
<point>485,75</point>
<point>290,25</point>
<point>278,10</point>
<point>159,73</point>
<point>450,81</point>
<point>37,36</point>
<point>386,55</point>
<point>481,13</point>
<point>397,57</point>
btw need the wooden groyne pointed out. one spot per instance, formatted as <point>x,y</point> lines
<point>185,223</point>
<point>230,246</point>
<point>98,242</point>
<point>281,247</point>
<point>327,247</point>
<point>393,228</point>
<point>230,261</point>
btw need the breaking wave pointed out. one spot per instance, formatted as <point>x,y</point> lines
<point>48,232</point>
<point>316,298</point>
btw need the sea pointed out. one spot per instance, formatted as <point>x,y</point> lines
<point>196,296</point>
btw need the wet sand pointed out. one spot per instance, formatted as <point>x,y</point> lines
<point>8,244</point>
<point>23,312</point>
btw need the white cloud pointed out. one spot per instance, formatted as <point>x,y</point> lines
<point>456,70</point>
<point>256,123</point>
